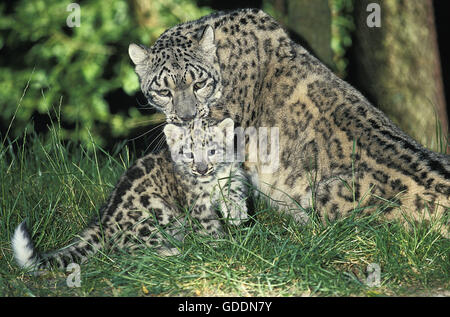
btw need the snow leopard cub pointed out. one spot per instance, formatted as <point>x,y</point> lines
<point>204,153</point>
<point>148,197</point>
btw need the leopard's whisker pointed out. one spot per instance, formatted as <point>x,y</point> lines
<point>160,142</point>
<point>143,104</point>
<point>147,132</point>
<point>156,139</point>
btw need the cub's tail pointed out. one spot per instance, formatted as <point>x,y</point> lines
<point>28,258</point>
<point>23,248</point>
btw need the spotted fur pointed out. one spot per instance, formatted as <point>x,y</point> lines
<point>337,152</point>
<point>144,207</point>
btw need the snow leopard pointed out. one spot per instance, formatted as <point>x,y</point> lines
<point>147,203</point>
<point>338,153</point>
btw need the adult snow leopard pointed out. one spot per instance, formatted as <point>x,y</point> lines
<point>337,152</point>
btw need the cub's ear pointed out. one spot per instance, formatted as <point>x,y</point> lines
<point>226,124</point>
<point>172,133</point>
<point>207,40</point>
<point>138,53</point>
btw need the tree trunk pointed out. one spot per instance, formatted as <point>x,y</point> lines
<point>311,22</point>
<point>397,66</point>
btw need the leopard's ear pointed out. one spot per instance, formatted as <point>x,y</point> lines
<point>207,40</point>
<point>172,133</point>
<point>138,53</point>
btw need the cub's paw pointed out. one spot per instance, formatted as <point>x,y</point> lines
<point>168,251</point>
<point>235,213</point>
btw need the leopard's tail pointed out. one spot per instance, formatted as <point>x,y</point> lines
<point>28,258</point>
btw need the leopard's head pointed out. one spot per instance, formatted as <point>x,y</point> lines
<point>201,149</point>
<point>180,74</point>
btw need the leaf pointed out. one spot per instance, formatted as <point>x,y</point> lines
<point>145,290</point>
<point>130,82</point>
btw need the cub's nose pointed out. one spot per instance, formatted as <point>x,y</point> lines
<point>187,117</point>
<point>187,114</point>
<point>201,168</point>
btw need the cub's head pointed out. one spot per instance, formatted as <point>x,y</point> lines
<point>180,73</point>
<point>200,149</point>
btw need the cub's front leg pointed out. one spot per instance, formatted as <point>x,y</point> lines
<point>231,196</point>
<point>203,211</point>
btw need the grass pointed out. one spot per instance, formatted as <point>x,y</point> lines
<point>59,187</point>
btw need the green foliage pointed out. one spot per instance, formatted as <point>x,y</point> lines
<point>276,9</point>
<point>342,25</point>
<point>75,68</point>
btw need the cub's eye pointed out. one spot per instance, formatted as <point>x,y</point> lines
<point>200,85</point>
<point>189,155</point>
<point>211,152</point>
<point>164,92</point>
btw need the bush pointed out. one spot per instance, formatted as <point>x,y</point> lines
<point>48,68</point>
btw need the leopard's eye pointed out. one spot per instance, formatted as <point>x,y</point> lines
<point>164,93</point>
<point>200,85</point>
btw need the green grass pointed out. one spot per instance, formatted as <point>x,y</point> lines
<point>59,187</point>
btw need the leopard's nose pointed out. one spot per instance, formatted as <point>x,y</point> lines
<point>201,168</point>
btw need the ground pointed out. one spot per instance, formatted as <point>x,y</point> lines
<point>60,187</point>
